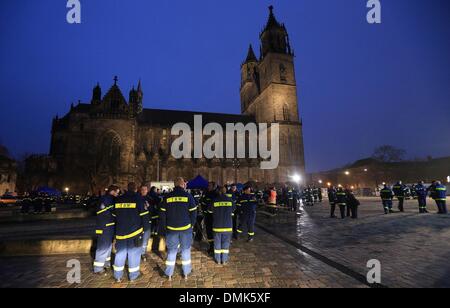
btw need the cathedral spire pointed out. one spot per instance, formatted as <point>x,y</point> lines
<point>272,22</point>
<point>96,94</point>
<point>251,57</point>
<point>274,37</point>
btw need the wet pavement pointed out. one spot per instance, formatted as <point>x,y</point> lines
<point>305,249</point>
<point>413,249</point>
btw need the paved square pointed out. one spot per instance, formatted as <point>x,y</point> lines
<point>413,250</point>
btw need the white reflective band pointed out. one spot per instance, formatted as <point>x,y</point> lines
<point>118,269</point>
<point>225,251</point>
<point>108,259</point>
<point>170,263</point>
<point>99,264</point>
<point>134,269</point>
<point>186,262</point>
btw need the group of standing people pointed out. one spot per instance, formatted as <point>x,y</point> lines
<point>436,191</point>
<point>129,220</point>
<point>346,201</point>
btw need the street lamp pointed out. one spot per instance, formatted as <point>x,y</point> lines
<point>347,172</point>
<point>448,179</point>
<point>365,170</point>
<point>328,184</point>
<point>320,181</point>
<point>66,189</point>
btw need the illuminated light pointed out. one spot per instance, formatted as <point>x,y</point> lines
<point>448,179</point>
<point>353,187</point>
<point>329,184</point>
<point>384,183</point>
<point>365,170</point>
<point>66,189</point>
<point>296,178</point>
<point>339,185</point>
<point>320,181</point>
<point>347,172</point>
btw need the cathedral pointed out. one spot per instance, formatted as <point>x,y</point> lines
<point>113,139</point>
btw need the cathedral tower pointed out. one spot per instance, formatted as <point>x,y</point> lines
<point>269,93</point>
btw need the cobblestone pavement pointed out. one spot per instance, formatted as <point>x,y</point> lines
<point>413,249</point>
<point>265,263</point>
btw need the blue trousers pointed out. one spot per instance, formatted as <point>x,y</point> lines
<point>183,240</point>
<point>422,204</point>
<point>442,206</point>
<point>222,242</point>
<point>126,250</point>
<point>387,205</point>
<point>147,235</point>
<point>104,248</point>
<point>247,223</point>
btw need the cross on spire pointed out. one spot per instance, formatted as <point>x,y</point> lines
<point>115,80</point>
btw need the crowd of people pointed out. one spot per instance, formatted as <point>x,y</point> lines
<point>436,191</point>
<point>216,215</point>
<point>348,203</point>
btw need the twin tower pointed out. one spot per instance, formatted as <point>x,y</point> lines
<point>269,93</point>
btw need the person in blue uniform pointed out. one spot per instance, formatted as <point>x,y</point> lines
<point>129,211</point>
<point>387,195</point>
<point>155,201</point>
<point>421,193</point>
<point>207,200</point>
<point>105,223</point>
<point>177,218</point>
<point>290,199</point>
<point>223,208</point>
<point>441,197</point>
<point>247,212</point>
<point>234,194</point>
<point>400,193</point>
<point>341,201</point>
<point>332,199</point>
<point>147,221</point>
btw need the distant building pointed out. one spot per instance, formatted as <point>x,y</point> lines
<point>370,173</point>
<point>112,140</point>
<point>8,175</point>
<point>39,170</point>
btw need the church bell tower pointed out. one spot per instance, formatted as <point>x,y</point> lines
<point>269,93</point>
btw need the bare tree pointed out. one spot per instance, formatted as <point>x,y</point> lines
<point>389,154</point>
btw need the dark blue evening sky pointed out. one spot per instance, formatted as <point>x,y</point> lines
<point>360,85</point>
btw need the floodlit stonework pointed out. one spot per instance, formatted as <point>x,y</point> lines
<point>115,140</point>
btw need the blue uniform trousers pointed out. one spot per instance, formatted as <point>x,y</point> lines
<point>126,250</point>
<point>387,205</point>
<point>442,206</point>
<point>146,238</point>
<point>178,240</point>
<point>247,223</point>
<point>422,204</point>
<point>222,242</point>
<point>104,248</point>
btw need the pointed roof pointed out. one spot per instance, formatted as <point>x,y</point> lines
<point>272,22</point>
<point>251,57</point>
<point>114,93</point>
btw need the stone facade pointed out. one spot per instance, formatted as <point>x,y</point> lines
<point>112,140</point>
<point>8,175</point>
